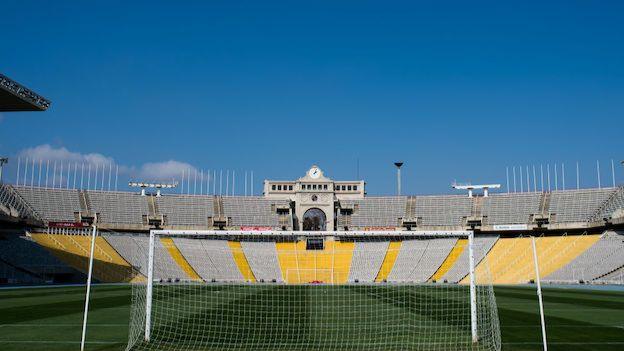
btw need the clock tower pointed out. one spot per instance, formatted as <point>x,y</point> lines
<point>315,197</point>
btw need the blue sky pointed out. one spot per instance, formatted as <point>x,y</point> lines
<point>457,90</point>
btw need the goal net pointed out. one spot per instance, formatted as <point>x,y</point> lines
<point>218,290</point>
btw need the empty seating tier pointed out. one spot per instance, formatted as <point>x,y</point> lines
<point>601,258</point>
<point>510,209</point>
<point>577,205</point>
<point>418,260</point>
<point>461,267</point>
<point>134,248</point>
<point>118,207</point>
<point>56,205</point>
<point>262,258</point>
<point>300,266</point>
<point>368,257</point>
<point>510,261</point>
<point>376,212</point>
<point>186,210</point>
<point>74,250</point>
<point>252,211</point>
<point>211,259</point>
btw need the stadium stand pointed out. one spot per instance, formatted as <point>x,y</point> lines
<point>597,261</point>
<point>10,274</point>
<point>368,257</point>
<point>394,247</point>
<point>609,207</point>
<point>459,270</point>
<point>74,250</point>
<point>569,209</point>
<point>376,211</point>
<point>211,259</point>
<point>51,204</point>
<point>241,261</point>
<point>134,249</point>
<point>418,260</point>
<point>510,261</point>
<point>186,210</point>
<point>442,210</point>
<point>252,211</point>
<point>262,258</point>
<point>12,204</point>
<point>118,207</point>
<point>179,258</point>
<point>510,209</point>
<point>332,264</point>
<point>577,205</point>
<point>615,277</point>
<point>24,252</point>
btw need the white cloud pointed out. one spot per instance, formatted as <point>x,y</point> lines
<point>151,171</point>
<point>164,170</point>
<point>47,152</point>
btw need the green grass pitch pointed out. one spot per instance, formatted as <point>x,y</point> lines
<point>50,318</point>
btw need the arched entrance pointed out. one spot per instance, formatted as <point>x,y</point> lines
<point>314,219</point>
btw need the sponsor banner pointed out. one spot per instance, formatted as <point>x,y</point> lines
<point>253,228</point>
<point>511,227</point>
<point>67,224</point>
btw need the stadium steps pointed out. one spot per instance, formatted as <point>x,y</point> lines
<point>15,205</point>
<point>85,203</point>
<point>477,206</point>
<point>544,203</point>
<point>241,261</point>
<point>510,261</point>
<point>391,255</point>
<point>178,258</point>
<point>450,260</point>
<point>609,202</point>
<point>410,207</point>
<point>609,273</point>
<point>74,250</point>
<point>152,206</point>
<point>330,265</point>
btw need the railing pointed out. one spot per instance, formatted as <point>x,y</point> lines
<point>11,199</point>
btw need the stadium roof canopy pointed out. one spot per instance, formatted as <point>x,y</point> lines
<point>16,97</point>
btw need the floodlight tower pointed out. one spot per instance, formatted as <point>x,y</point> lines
<point>157,186</point>
<point>3,161</point>
<point>398,166</point>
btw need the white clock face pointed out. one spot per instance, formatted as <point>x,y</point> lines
<point>314,172</point>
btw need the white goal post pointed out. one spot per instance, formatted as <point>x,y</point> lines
<point>336,290</point>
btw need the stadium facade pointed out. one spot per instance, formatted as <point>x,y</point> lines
<point>45,232</point>
<point>316,202</point>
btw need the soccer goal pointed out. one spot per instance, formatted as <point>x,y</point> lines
<point>291,290</point>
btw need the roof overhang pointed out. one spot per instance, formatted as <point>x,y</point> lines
<point>16,97</point>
